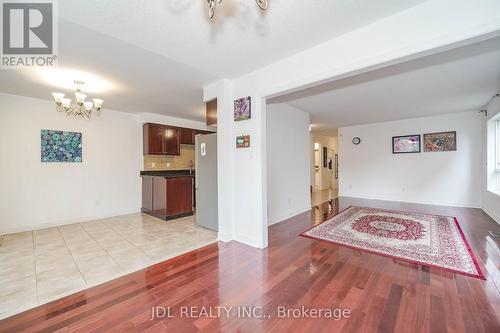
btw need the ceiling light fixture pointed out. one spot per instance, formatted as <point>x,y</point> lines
<point>82,108</point>
<point>263,4</point>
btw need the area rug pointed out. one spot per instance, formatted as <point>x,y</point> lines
<point>431,240</point>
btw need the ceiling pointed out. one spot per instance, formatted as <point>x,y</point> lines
<point>459,80</point>
<point>157,55</point>
<point>138,80</point>
<point>239,40</point>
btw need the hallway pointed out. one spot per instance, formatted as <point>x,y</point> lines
<point>320,196</point>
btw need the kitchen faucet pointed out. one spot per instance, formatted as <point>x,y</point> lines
<point>190,166</point>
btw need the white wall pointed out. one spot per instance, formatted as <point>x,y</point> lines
<point>35,194</point>
<point>288,162</point>
<point>491,198</point>
<point>370,170</point>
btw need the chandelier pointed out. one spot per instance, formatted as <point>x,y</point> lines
<point>81,108</point>
<point>263,4</point>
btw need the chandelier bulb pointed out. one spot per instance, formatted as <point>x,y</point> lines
<point>66,102</point>
<point>83,108</point>
<point>88,106</point>
<point>212,4</point>
<point>263,4</point>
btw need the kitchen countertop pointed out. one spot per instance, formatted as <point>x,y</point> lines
<point>169,173</point>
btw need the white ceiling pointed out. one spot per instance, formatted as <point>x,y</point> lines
<point>140,80</point>
<point>160,53</point>
<point>459,80</point>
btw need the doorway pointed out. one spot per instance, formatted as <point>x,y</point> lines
<point>324,168</point>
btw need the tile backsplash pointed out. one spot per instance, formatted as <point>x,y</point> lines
<point>155,162</point>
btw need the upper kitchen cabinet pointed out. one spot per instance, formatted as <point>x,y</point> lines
<point>161,140</point>
<point>211,113</point>
<point>167,140</point>
<point>153,139</point>
<point>187,136</point>
<point>172,140</point>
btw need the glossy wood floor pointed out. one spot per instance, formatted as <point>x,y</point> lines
<point>383,294</point>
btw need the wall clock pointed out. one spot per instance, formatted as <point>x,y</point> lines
<point>356,141</point>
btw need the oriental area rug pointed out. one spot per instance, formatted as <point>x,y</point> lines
<point>430,240</point>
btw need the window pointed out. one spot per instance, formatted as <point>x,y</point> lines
<point>497,155</point>
<point>493,155</point>
<point>497,143</point>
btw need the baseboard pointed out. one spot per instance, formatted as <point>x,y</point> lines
<point>491,214</point>
<point>250,241</point>
<point>287,216</point>
<point>223,237</point>
<point>37,226</point>
<point>433,203</point>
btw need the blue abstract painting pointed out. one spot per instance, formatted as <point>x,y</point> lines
<point>59,146</point>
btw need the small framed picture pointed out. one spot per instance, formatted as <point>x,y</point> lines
<point>243,109</point>
<point>442,141</point>
<point>406,144</point>
<point>243,141</point>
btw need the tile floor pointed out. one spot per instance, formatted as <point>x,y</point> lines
<point>42,265</point>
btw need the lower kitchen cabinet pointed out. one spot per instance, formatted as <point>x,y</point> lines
<point>179,195</point>
<point>167,197</point>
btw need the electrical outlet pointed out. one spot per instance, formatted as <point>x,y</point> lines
<point>153,165</point>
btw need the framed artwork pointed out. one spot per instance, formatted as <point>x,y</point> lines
<point>61,146</point>
<point>325,157</point>
<point>442,141</point>
<point>406,144</point>
<point>243,109</point>
<point>243,141</point>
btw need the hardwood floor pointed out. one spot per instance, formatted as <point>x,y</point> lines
<point>382,294</point>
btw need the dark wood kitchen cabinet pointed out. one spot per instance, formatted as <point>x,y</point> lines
<point>166,140</point>
<point>161,140</point>
<point>187,136</point>
<point>179,195</point>
<point>168,197</point>
<point>211,113</point>
<point>154,137</point>
<point>172,140</point>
